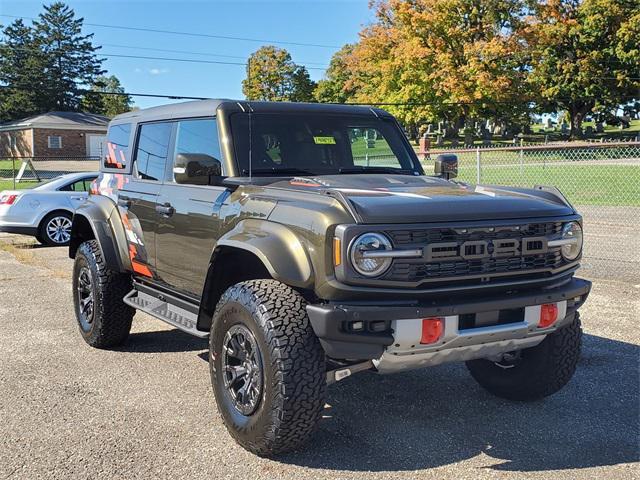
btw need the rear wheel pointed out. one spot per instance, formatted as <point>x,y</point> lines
<point>267,367</point>
<point>55,229</point>
<point>532,373</point>
<point>104,319</point>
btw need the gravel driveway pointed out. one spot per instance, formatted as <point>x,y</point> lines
<point>146,410</point>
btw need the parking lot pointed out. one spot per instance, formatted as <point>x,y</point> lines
<point>146,409</point>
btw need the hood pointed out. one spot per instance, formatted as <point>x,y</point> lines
<point>421,199</point>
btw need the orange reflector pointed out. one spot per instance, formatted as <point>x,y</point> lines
<point>548,315</point>
<point>432,329</point>
<point>337,251</point>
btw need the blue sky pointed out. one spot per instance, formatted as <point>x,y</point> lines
<point>312,21</point>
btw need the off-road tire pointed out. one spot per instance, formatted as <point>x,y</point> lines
<point>111,319</point>
<point>293,366</point>
<point>541,371</point>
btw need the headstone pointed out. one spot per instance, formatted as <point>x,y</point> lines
<point>454,142</point>
<point>564,128</point>
<point>439,140</point>
<point>599,127</point>
<point>468,136</point>
<point>588,130</point>
<point>549,123</point>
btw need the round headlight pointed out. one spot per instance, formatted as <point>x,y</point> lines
<point>572,231</point>
<point>363,256</point>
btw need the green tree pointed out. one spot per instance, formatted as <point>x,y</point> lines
<point>334,88</point>
<point>458,57</point>
<point>71,60</point>
<point>584,55</point>
<point>273,76</point>
<point>22,73</point>
<point>109,105</point>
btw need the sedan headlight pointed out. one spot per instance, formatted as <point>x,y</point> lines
<point>572,231</point>
<point>364,254</point>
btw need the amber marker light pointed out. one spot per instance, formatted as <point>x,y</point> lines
<point>337,251</point>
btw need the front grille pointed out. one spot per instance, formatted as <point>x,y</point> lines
<point>418,270</point>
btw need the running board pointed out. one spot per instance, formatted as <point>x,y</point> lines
<point>165,311</point>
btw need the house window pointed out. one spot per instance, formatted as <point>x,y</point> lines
<point>54,141</point>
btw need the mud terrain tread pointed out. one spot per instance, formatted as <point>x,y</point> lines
<point>297,360</point>
<point>113,317</point>
<point>546,368</point>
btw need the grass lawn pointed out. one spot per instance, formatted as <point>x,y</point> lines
<point>8,184</point>
<point>610,185</point>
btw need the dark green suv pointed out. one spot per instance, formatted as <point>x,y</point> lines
<point>307,243</point>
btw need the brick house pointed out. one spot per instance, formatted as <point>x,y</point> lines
<point>54,134</point>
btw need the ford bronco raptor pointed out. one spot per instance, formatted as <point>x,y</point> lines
<point>308,244</point>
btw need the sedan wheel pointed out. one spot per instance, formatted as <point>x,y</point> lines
<point>56,229</point>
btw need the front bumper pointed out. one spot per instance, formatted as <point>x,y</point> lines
<point>388,332</point>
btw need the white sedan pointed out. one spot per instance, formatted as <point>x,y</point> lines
<point>45,211</point>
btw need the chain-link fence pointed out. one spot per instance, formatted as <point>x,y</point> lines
<point>602,180</point>
<point>25,172</point>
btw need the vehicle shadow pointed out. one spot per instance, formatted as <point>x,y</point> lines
<point>439,416</point>
<point>163,341</point>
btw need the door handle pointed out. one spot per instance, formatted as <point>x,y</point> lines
<point>165,209</point>
<point>124,201</point>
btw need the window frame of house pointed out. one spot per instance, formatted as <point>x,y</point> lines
<point>49,144</point>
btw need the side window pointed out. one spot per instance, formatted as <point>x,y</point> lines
<point>117,146</point>
<point>79,186</point>
<point>152,150</point>
<point>370,149</point>
<point>199,137</point>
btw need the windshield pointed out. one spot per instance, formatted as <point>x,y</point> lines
<point>319,144</point>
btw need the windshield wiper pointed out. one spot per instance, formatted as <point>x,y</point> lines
<point>277,171</point>
<point>398,171</point>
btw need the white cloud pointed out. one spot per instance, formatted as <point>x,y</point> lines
<point>158,71</point>
<point>137,70</point>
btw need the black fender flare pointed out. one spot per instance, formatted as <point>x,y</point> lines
<point>277,246</point>
<point>280,252</point>
<point>99,218</point>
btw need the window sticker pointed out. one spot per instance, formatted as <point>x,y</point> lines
<point>324,140</point>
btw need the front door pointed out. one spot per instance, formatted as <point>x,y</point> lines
<point>139,196</point>
<point>190,227</point>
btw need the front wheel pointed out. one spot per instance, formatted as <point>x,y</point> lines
<point>267,367</point>
<point>532,373</point>
<point>104,319</point>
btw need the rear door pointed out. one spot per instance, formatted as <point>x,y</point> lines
<point>188,230</point>
<point>138,197</point>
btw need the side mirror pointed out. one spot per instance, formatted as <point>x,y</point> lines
<point>446,166</point>
<point>196,168</point>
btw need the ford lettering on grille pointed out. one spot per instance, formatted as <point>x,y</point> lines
<point>479,249</point>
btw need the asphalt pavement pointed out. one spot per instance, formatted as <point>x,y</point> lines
<point>146,409</point>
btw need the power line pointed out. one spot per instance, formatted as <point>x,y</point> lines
<point>370,104</point>
<point>192,34</point>
<point>187,60</point>
<point>198,53</point>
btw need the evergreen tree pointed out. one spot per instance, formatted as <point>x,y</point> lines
<point>71,61</point>
<point>21,72</point>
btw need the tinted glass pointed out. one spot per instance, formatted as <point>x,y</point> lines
<point>117,146</point>
<point>152,150</point>
<point>319,144</point>
<point>79,186</point>
<point>199,137</point>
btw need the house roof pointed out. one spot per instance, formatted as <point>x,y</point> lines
<point>60,120</point>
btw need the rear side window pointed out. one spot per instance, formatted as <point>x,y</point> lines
<point>117,146</point>
<point>153,149</point>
